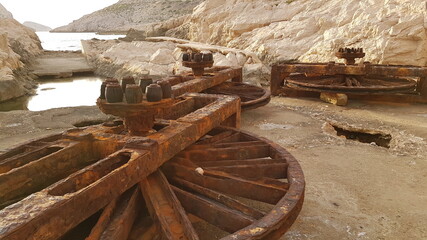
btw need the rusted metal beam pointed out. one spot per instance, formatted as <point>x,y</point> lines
<point>229,153</point>
<point>53,210</point>
<point>40,168</point>
<point>165,208</point>
<point>219,197</point>
<point>229,184</point>
<point>254,170</point>
<point>214,213</point>
<point>107,179</point>
<point>204,82</point>
<point>103,221</point>
<point>124,216</point>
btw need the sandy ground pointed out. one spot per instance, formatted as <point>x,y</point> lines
<point>354,190</point>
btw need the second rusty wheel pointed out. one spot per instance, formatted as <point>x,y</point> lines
<point>351,84</point>
<point>251,96</point>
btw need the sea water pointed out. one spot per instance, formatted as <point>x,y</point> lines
<point>69,41</point>
<point>64,92</point>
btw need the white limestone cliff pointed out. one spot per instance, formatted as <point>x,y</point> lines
<point>390,31</point>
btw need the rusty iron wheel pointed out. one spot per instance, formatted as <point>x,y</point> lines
<point>251,96</point>
<point>349,83</point>
<point>229,185</point>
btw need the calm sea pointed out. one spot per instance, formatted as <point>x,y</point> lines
<point>58,93</point>
<point>68,41</point>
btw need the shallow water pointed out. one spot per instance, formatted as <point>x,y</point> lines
<point>67,92</point>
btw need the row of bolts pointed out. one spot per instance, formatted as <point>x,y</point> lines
<point>197,57</point>
<point>350,50</point>
<point>112,91</point>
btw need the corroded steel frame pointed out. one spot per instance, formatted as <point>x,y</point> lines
<point>104,169</point>
<point>49,213</point>
<point>281,71</point>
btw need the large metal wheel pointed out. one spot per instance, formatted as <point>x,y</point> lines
<point>351,84</point>
<point>228,185</point>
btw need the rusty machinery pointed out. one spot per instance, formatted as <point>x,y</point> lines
<point>168,165</point>
<point>359,81</point>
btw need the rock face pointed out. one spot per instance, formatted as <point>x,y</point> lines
<point>18,45</point>
<point>390,31</point>
<point>23,40</point>
<point>4,13</point>
<point>162,57</point>
<point>37,27</point>
<point>128,14</point>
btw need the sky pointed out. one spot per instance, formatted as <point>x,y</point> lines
<point>53,13</point>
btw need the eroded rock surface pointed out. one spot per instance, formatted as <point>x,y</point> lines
<point>391,31</point>
<point>128,14</point>
<point>18,46</point>
<point>37,26</point>
<point>4,13</point>
<point>162,56</point>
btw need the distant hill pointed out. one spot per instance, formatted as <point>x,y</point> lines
<point>4,13</point>
<point>37,27</point>
<point>127,14</point>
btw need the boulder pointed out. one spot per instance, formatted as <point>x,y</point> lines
<point>162,56</point>
<point>18,45</point>
<point>122,58</point>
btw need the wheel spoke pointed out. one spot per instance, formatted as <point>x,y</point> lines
<point>274,170</point>
<point>219,197</point>
<point>218,154</point>
<point>165,208</point>
<point>144,229</point>
<point>215,138</point>
<point>229,184</point>
<point>103,221</point>
<point>216,214</point>
<point>118,218</point>
<point>235,162</point>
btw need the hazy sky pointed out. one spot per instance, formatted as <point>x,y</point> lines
<point>53,13</point>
